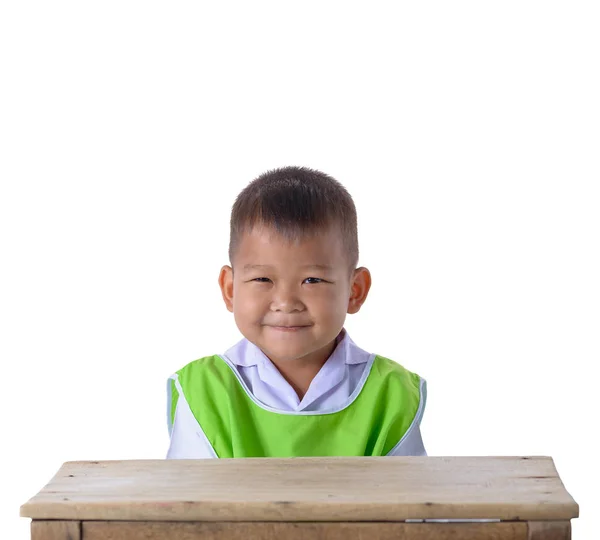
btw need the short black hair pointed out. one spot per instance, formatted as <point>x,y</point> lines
<point>296,202</point>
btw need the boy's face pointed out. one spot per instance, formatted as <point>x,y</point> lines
<point>291,299</point>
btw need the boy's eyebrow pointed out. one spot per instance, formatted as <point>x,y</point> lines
<point>316,267</point>
<point>256,267</point>
<point>269,267</point>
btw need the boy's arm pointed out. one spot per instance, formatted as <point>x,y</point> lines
<point>412,442</point>
<point>188,441</point>
<point>412,445</point>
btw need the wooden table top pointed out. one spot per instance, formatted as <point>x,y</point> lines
<point>306,489</point>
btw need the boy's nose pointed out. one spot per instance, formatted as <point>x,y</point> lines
<point>286,300</point>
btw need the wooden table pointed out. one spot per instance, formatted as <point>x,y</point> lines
<point>366,498</point>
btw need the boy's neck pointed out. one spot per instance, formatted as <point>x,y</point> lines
<point>301,372</point>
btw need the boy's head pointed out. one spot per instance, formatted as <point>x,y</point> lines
<point>293,251</point>
<point>296,202</point>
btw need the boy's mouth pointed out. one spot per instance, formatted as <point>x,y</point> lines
<point>288,328</point>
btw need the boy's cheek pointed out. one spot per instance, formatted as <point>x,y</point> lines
<point>248,311</point>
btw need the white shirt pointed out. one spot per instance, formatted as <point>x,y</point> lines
<point>330,389</point>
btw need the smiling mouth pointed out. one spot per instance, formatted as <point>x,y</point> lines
<point>288,328</point>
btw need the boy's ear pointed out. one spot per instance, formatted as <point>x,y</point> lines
<point>359,289</point>
<point>226,284</point>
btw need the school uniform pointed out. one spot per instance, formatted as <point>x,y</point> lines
<point>238,405</point>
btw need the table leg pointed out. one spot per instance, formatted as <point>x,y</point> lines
<point>55,530</point>
<point>549,530</point>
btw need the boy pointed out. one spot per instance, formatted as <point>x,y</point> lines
<point>296,385</point>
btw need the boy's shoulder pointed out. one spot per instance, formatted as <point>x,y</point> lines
<point>386,365</point>
<point>205,363</point>
<point>388,369</point>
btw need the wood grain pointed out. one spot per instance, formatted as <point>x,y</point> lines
<point>140,530</point>
<point>306,489</point>
<point>55,530</point>
<point>549,530</point>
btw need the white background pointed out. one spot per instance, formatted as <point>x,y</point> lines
<point>467,132</point>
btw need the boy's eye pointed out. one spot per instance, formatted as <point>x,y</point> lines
<point>310,280</point>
